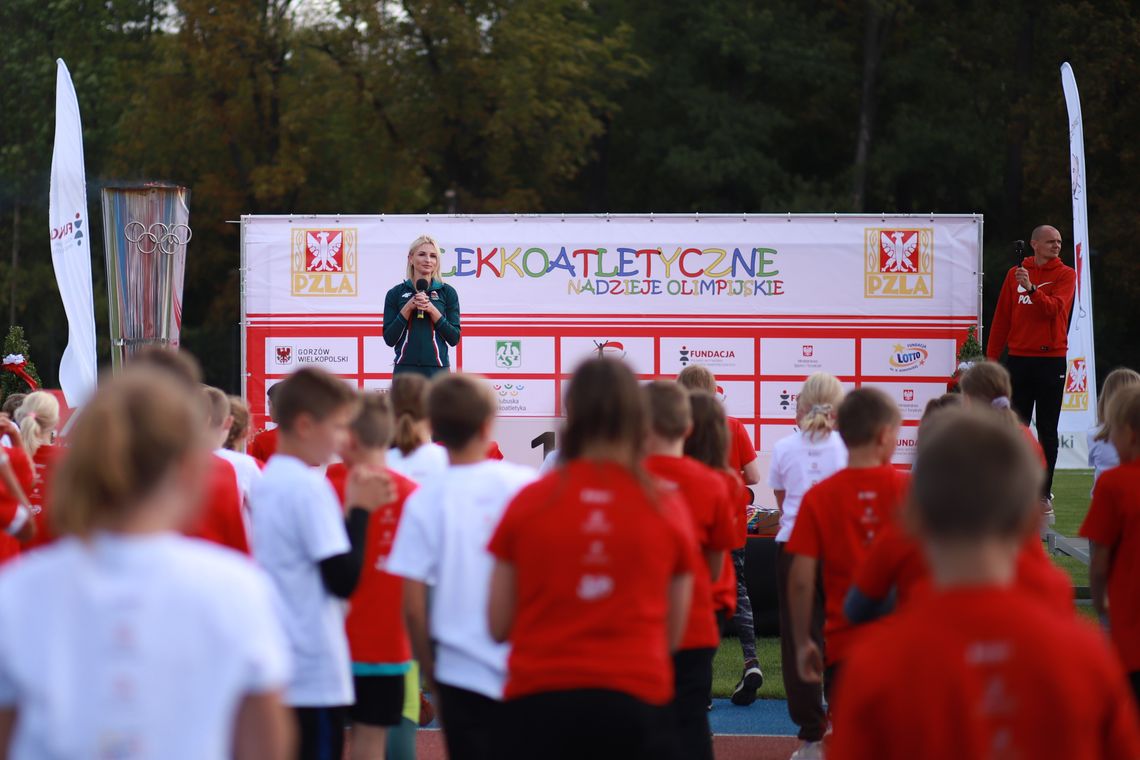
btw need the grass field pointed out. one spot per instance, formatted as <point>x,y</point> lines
<point>1071,502</point>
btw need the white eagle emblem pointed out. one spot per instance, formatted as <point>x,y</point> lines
<point>1078,381</point>
<point>899,251</point>
<point>325,251</point>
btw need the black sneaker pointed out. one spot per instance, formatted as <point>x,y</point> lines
<point>745,692</point>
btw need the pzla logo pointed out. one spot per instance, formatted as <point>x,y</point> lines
<point>1076,386</point>
<point>898,263</point>
<point>323,262</point>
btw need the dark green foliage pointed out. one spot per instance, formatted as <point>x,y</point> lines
<point>15,343</point>
<point>268,106</point>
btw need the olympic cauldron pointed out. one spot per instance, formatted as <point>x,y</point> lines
<point>146,229</point>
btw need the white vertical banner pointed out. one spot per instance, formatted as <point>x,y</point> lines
<point>71,243</point>
<point>1078,410</point>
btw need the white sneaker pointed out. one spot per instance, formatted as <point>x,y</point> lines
<point>808,751</point>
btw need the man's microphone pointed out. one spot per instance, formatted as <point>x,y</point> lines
<point>421,287</point>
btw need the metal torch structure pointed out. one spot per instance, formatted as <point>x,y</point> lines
<point>146,229</point>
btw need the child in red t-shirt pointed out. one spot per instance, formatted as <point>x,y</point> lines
<point>591,585</point>
<point>377,636</point>
<point>708,444</point>
<point>896,569</point>
<point>838,520</point>
<point>38,416</point>
<point>17,479</point>
<point>717,531</point>
<point>1113,530</point>
<point>971,668</point>
<point>221,516</point>
<point>264,444</point>
<point>742,461</point>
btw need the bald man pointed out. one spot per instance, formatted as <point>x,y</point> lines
<point>1032,321</point>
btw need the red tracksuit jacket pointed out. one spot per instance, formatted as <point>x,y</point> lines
<point>1037,324</point>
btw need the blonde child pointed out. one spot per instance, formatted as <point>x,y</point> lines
<point>814,452</point>
<point>1102,454</point>
<point>1113,529</point>
<point>148,644</point>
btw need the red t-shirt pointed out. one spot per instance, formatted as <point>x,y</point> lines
<point>740,448</point>
<point>1113,522</point>
<point>897,560</point>
<point>9,504</point>
<point>220,518</point>
<point>375,621</point>
<point>894,561</point>
<point>45,461</point>
<point>978,673</point>
<point>724,588</point>
<point>715,527</point>
<point>263,445</point>
<point>838,520</point>
<point>595,551</point>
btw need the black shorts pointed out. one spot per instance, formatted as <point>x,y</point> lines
<point>379,700</point>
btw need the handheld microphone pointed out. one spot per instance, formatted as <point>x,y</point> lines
<point>1018,252</point>
<point>421,287</point>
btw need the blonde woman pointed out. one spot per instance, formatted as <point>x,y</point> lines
<point>814,452</point>
<point>38,418</point>
<point>421,314</point>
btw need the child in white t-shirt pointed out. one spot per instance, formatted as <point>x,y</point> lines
<point>123,639</point>
<point>413,454</point>
<point>312,550</point>
<point>442,543</point>
<point>1102,454</point>
<point>811,454</point>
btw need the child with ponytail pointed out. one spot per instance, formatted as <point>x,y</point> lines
<point>413,454</point>
<point>140,623</point>
<point>806,457</point>
<point>578,555</point>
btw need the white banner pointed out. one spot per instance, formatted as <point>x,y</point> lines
<point>762,301</point>
<point>629,265</point>
<point>71,243</point>
<point>1078,410</point>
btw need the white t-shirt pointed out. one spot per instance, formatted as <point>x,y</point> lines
<point>549,464</point>
<point>297,523</point>
<point>246,467</point>
<point>442,542</point>
<point>1102,454</point>
<point>134,647</point>
<point>798,463</point>
<point>421,465</point>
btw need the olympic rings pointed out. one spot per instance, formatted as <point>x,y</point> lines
<point>158,237</point>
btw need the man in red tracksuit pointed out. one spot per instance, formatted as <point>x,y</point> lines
<point>1032,319</point>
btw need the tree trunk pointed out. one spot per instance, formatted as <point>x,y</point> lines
<point>15,263</point>
<point>1018,124</point>
<point>875,27</point>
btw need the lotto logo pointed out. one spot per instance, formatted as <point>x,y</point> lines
<point>324,262</point>
<point>898,263</point>
<point>283,354</point>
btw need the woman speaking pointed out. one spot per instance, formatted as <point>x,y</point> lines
<point>421,314</point>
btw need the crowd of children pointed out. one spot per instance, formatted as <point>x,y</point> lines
<point>178,598</point>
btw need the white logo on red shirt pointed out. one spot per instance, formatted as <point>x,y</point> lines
<point>596,522</point>
<point>594,587</point>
